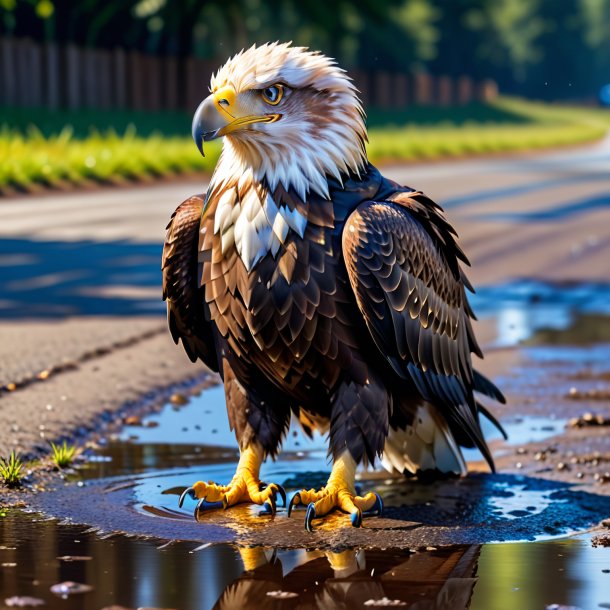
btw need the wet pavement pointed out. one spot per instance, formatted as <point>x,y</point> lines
<point>132,483</point>
<point>487,541</point>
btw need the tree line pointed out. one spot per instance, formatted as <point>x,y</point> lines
<point>548,49</point>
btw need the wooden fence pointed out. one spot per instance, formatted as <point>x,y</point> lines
<point>53,76</point>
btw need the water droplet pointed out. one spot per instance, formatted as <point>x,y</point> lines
<point>18,601</point>
<point>64,589</point>
<point>282,594</point>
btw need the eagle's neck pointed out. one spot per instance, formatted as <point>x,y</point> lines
<point>264,188</point>
<point>303,166</point>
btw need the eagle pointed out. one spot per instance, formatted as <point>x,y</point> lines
<point>317,288</point>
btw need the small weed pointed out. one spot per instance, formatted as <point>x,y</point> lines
<point>10,470</point>
<point>63,454</point>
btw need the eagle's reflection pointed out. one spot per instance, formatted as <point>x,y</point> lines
<point>348,580</point>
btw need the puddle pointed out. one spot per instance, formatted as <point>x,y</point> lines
<point>519,501</point>
<point>203,423</point>
<point>133,483</point>
<point>500,538</point>
<point>538,313</point>
<point>131,573</point>
<point>134,486</point>
<point>204,419</point>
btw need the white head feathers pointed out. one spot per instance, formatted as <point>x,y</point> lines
<point>321,132</point>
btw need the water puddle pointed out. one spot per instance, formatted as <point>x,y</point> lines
<point>130,573</point>
<point>519,501</point>
<point>204,418</point>
<point>480,542</point>
<point>132,483</point>
<point>537,313</point>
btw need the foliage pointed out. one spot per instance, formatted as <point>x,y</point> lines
<point>83,123</point>
<point>63,454</point>
<point>10,469</point>
<point>534,48</point>
<point>425,143</point>
<point>61,157</point>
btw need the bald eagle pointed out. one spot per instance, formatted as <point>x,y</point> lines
<point>320,289</point>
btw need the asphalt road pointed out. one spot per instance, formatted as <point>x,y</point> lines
<point>536,215</point>
<point>80,289</point>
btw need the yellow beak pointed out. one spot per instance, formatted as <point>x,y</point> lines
<point>217,116</point>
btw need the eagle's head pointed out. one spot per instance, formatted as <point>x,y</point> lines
<point>290,116</point>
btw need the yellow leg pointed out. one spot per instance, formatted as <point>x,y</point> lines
<point>346,563</point>
<point>253,557</point>
<point>245,486</point>
<point>339,492</point>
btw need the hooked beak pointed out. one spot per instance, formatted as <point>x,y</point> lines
<point>216,117</point>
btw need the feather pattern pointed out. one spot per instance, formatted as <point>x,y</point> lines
<point>315,286</point>
<point>369,282</point>
<point>186,312</point>
<point>402,261</point>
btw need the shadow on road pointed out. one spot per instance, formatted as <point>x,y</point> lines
<point>54,279</point>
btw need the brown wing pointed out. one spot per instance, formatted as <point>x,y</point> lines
<point>185,300</point>
<point>403,263</point>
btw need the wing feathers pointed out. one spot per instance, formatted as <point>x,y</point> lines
<point>185,302</point>
<point>403,264</point>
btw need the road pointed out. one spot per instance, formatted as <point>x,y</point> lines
<point>543,214</point>
<point>80,292</point>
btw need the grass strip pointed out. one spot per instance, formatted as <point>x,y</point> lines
<point>50,149</point>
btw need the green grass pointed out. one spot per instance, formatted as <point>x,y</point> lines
<point>83,122</point>
<point>10,470</point>
<point>63,454</point>
<point>56,149</point>
<point>32,158</point>
<point>517,125</point>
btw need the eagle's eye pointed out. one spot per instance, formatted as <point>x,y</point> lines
<point>273,94</point>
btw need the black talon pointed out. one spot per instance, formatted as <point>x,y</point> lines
<point>198,509</point>
<point>356,518</point>
<point>262,486</point>
<point>310,515</point>
<point>269,507</point>
<point>377,508</point>
<point>282,492</point>
<point>190,492</point>
<point>294,501</point>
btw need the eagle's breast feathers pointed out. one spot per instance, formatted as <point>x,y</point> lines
<point>248,218</point>
<point>272,279</point>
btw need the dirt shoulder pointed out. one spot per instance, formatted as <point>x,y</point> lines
<point>72,376</point>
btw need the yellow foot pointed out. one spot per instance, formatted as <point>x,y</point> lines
<point>244,487</point>
<point>338,493</point>
<point>320,503</point>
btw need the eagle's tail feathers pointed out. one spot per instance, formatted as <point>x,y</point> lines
<point>490,416</point>
<point>425,445</point>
